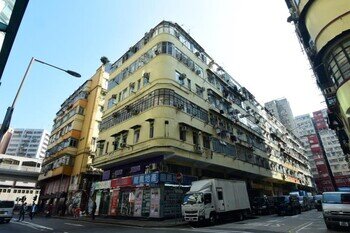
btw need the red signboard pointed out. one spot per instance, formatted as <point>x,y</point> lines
<point>121,182</point>
<point>113,210</point>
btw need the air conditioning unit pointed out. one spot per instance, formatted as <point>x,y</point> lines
<point>197,148</point>
<point>183,128</point>
<point>146,75</point>
<point>182,76</point>
<point>218,130</point>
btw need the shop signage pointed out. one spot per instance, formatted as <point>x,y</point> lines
<point>103,184</point>
<point>118,172</point>
<point>106,175</point>
<point>121,182</point>
<point>152,178</point>
<point>161,177</point>
<point>135,169</point>
<point>113,210</point>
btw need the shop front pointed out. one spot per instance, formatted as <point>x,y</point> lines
<point>153,195</point>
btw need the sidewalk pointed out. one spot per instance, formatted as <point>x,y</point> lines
<point>139,222</point>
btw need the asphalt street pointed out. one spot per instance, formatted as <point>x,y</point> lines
<point>307,222</point>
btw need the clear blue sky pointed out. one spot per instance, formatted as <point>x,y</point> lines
<point>250,38</point>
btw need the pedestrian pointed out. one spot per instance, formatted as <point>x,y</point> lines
<point>32,211</point>
<point>49,211</point>
<point>63,210</point>
<point>22,212</point>
<point>74,210</point>
<point>94,206</point>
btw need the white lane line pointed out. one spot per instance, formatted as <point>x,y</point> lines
<point>73,224</point>
<point>304,227</point>
<point>38,226</point>
<point>22,224</point>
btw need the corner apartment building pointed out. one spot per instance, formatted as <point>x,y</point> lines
<point>323,28</point>
<point>30,143</point>
<point>307,133</point>
<point>66,171</point>
<point>170,109</point>
<point>281,109</point>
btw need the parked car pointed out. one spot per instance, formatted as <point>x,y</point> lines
<point>287,205</point>
<point>6,211</point>
<point>263,205</point>
<point>336,209</point>
<point>318,202</point>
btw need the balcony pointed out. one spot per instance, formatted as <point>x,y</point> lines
<point>63,170</point>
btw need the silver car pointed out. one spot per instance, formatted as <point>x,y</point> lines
<point>6,211</point>
<point>336,209</point>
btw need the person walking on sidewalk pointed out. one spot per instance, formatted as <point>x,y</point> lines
<point>94,206</point>
<point>22,212</point>
<point>32,211</point>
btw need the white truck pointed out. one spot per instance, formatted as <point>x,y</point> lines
<point>215,199</point>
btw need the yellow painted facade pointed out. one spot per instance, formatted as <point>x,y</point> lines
<point>73,140</point>
<point>172,116</point>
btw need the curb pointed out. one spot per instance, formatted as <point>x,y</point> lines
<point>134,224</point>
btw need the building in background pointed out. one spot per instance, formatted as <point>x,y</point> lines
<point>307,133</point>
<point>11,14</point>
<point>66,171</point>
<point>280,108</point>
<point>323,28</point>
<point>332,149</point>
<point>4,142</point>
<point>172,115</point>
<point>31,143</point>
<point>19,177</point>
<point>323,147</point>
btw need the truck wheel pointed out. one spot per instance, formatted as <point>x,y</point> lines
<point>212,218</point>
<point>329,226</point>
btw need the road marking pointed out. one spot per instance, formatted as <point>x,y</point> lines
<point>73,224</point>
<point>38,226</point>
<point>304,227</point>
<point>32,225</point>
<point>293,229</point>
<point>214,230</point>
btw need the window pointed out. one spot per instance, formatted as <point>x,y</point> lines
<point>189,84</point>
<point>136,135</point>
<point>199,91</point>
<point>220,194</point>
<point>151,129</point>
<point>116,143</point>
<point>138,84</point>
<point>80,110</point>
<point>124,138</point>
<point>124,93</point>
<point>15,191</point>
<point>195,137</point>
<point>111,102</point>
<point>206,141</point>
<point>145,78</point>
<point>183,131</point>
<point>180,78</point>
<point>106,151</point>
<point>132,88</point>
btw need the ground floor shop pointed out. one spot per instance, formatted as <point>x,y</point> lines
<point>154,195</point>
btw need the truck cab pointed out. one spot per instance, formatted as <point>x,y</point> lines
<point>198,206</point>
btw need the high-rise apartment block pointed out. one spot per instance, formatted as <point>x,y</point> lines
<point>30,143</point>
<point>172,115</point>
<point>323,29</point>
<point>280,108</point>
<point>323,148</point>
<point>67,174</point>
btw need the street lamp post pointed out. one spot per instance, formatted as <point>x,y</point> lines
<point>6,123</point>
